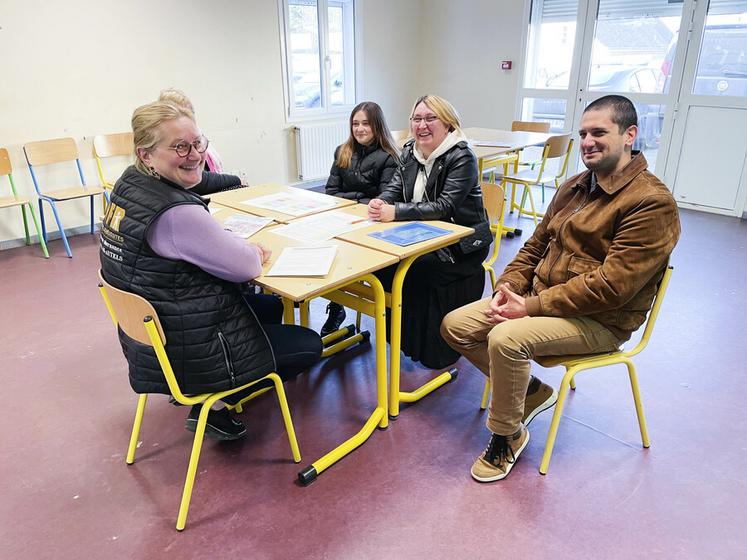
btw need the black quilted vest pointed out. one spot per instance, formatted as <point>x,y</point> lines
<point>213,339</point>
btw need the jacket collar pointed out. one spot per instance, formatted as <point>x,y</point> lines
<point>616,182</point>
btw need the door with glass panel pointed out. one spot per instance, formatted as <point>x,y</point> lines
<point>706,165</point>
<point>580,50</point>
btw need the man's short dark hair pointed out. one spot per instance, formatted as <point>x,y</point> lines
<point>623,110</point>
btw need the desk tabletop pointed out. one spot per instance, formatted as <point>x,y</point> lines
<point>240,199</point>
<point>350,262</point>
<point>361,237</point>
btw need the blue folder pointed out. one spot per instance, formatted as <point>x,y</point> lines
<point>409,234</point>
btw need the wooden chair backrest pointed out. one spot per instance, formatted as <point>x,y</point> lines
<point>400,135</point>
<point>108,145</point>
<point>530,126</point>
<point>130,310</point>
<point>493,199</point>
<point>45,152</point>
<point>558,146</point>
<point>5,167</point>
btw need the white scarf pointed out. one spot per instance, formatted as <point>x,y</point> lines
<point>451,140</point>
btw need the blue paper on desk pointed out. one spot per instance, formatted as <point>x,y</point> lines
<point>409,234</point>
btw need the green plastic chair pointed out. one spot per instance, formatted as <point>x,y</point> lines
<point>9,201</point>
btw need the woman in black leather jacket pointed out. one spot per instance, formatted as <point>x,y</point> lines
<point>437,180</point>
<point>363,165</point>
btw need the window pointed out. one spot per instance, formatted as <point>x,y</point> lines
<point>319,56</point>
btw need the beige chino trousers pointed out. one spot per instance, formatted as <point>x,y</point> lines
<point>502,352</point>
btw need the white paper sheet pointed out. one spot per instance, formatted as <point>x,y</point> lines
<point>244,226</point>
<point>304,261</point>
<point>294,204</point>
<point>322,227</point>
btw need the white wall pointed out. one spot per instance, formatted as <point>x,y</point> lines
<point>78,68</point>
<point>461,49</point>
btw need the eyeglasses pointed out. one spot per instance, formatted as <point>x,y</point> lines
<point>183,149</point>
<point>428,120</point>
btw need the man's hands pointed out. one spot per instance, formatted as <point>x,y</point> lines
<point>506,305</point>
<point>380,211</point>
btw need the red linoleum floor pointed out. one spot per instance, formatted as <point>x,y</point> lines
<point>66,491</point>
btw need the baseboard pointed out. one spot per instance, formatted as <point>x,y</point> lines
<point>51,236</point>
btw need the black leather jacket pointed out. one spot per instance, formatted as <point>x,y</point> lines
<point>371,168</point>
<point>452,192</point>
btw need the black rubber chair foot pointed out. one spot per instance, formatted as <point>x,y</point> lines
<point>393,417</point>
<point>454,372</point>
<point>510,235</point>
<point>366,336</point>
<point>307,476</point>
<point>517,231</point>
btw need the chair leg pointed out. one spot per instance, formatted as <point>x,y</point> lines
<point>194,458</point>
<point>638,404</point>
<point>62,229</point>
<point>553,432</point>
<point>358,321</point>
<point>531,204</point>
<point>283,402</point>
<point>136,428</point>
<point>91,197</point>
<point>485,395</point>
<point>25,223</point>
<point>38,232</point>
<point>43,222</point>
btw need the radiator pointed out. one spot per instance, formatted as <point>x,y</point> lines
<point>315,148</point>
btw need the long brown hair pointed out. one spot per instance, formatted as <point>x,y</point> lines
<point>381,134</point>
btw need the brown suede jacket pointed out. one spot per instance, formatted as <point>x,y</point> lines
<point>599,255</point>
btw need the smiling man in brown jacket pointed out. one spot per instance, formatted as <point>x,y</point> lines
<point>581,284</point>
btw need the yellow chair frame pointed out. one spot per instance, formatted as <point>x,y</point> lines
<point>493,197</point>
<point>576,364</point>
<point>137,318</point>
<point>111,145</point>
<point>555,147</point>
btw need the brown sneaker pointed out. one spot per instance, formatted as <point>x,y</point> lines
<point>540,397</point>
<point>498,459</point>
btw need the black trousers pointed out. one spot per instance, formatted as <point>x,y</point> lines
<point>295,348</point>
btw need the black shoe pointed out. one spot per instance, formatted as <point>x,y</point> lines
<point>220,424</point>
<point>335,317</point>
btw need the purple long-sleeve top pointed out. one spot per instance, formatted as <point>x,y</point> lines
<point>188,233</point>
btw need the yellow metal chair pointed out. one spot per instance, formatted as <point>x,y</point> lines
<point>557,149</point>
<point>575,364</point>
<point>48,152</point>
<point>493,198</point>
<point>14,200</point>
<point>531,156</point>
<point>111,145</point>
<point>137,318</point>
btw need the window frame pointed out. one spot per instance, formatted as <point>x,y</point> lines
<point>351,62</point>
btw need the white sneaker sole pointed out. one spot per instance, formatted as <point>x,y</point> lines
<point>508,468</point>
<point>549,403</point>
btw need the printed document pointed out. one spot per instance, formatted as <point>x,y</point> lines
<point>304,261</point>
<point>322,227</point>
<point>244,226</point>
<point>295,204</point>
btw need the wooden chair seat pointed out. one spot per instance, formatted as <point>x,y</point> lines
<point>10,201</point>
<point>73,192</point>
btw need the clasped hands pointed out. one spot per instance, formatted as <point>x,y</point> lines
<point>506,305</point>
<point>380,211</point>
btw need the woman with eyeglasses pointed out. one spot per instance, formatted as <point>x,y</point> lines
<point>214,179</point>
<point>363,165</point>
<point>159,241</point>
<point>437,180</point>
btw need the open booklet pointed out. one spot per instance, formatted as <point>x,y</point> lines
<point>304,261</point>
<point>296,203</point>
